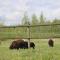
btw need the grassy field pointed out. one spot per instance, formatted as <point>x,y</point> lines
<point>41,52</point>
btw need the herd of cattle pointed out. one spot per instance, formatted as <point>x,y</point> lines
<point>24,44</point>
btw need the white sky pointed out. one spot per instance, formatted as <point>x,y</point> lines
<point>13,10</point>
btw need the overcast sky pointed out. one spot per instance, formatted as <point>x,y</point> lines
<point>13,10</point>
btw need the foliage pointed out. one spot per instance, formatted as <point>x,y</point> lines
<point>56,21</point>
<point>34,20</point>
<point>35,32</point>
<point>42,20</point>
<point>25,19</point>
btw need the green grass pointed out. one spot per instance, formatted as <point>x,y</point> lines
<point>41,52</point>
<point>35,32</point>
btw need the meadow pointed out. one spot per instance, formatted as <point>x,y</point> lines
<point>41,52</point>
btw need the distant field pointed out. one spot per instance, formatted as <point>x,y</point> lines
<point>41,51</point>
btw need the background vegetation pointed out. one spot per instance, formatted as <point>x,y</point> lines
<point>47,31</point>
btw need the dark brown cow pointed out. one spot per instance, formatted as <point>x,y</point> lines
<point>16,44</point>
<point>21,44</point>
<point>51,43</point>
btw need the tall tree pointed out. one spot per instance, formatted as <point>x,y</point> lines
<point>42,19</point>
<point>34,20</point>
<point>25,19</point>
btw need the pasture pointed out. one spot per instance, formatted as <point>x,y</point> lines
<point>41,52</point>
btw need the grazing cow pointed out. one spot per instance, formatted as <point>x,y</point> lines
<point>25,45</point>
<point>51,43</point>
<point>21,44</point>
<point>16,44</point>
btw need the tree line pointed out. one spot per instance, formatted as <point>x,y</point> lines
<point>34,20</point>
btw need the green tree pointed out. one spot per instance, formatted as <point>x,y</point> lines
<point>25,19</point>
<point>34,20</point>
<point>42,19</point>
<point>56,21</point>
